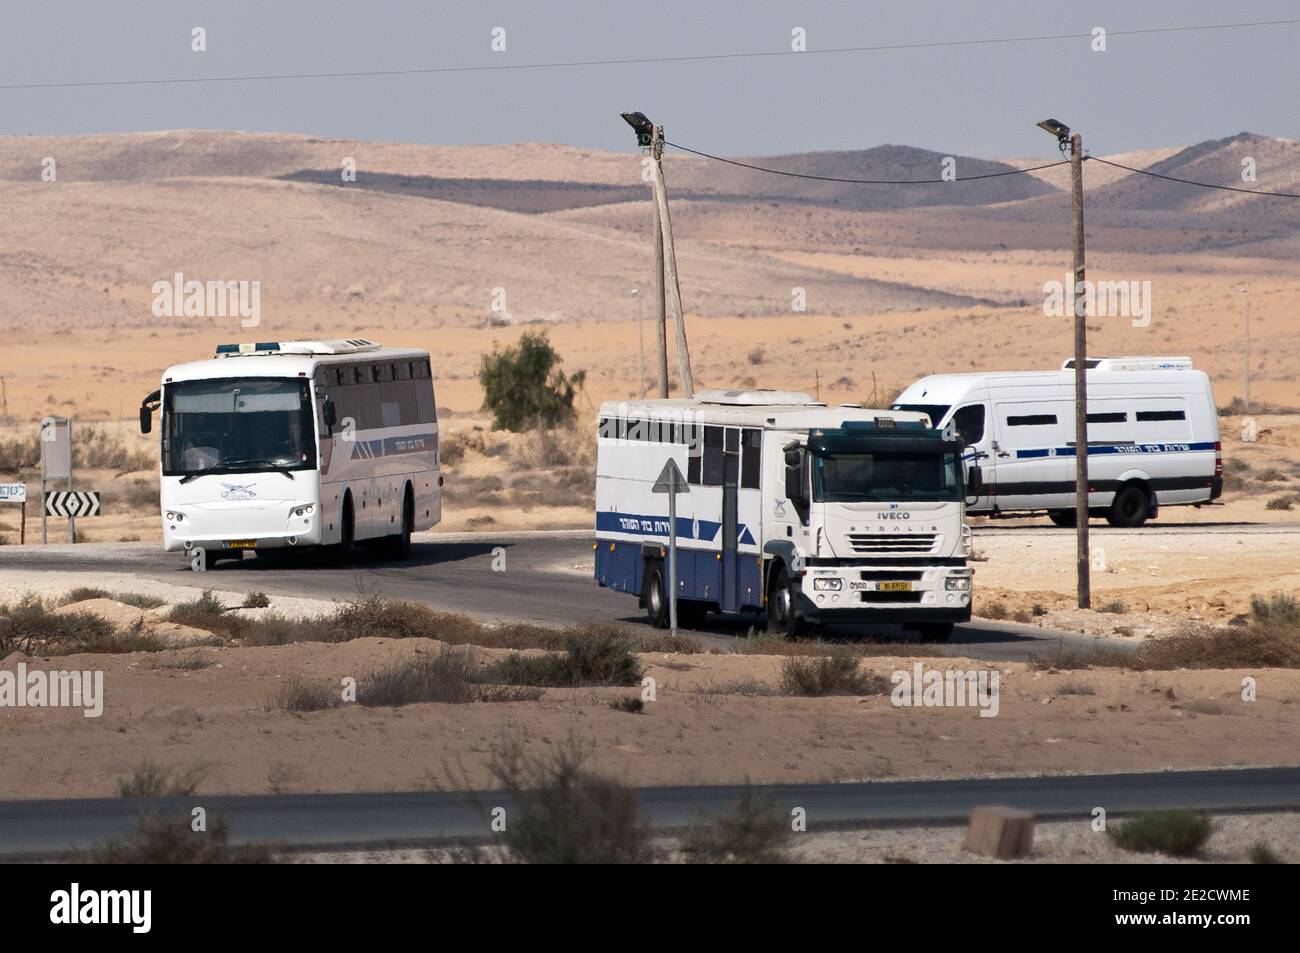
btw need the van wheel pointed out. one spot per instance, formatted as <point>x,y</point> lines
<point>783,607</point>
<point>655,595</point>
<point>1131,507</point>
<point>1065,518</point>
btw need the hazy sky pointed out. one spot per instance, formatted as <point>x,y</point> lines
<point>983,100</point>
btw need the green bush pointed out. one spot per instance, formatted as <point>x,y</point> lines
<point>1179,833</point>
<point>524,388</point>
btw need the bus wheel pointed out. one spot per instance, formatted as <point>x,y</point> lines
<point>1064,517</point>
<point>399,546</point>
<point>1131,507</point>
<point>782,607</point>
<point>655,595</point>
<point>343,549</point>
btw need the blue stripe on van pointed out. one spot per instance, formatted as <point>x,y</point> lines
<point>1118,448</point>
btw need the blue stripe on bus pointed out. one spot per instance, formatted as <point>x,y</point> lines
<point>638,524</point>
<point>394,446</point>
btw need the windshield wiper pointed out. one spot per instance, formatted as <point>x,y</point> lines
<point>251,465</point>
<point>193,476</point>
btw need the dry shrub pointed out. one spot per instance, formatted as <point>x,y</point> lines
<point>839,674</point>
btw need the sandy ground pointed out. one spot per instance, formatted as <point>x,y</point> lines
<point>1064,842</point>
<point>715,720</point>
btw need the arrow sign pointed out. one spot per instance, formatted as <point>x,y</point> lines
<point>72,504</point>
<point>671,482</point>
<point>671,479</point>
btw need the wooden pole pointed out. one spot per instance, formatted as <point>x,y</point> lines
<point>661,303</point>
<point>1080,380</point>
<point>670,267</point>
<point>22,524</point>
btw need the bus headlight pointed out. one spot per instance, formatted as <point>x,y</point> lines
<point>961,583</point>
<point>828,585</point>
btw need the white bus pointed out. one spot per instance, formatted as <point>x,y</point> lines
<point>1153,436</point>
<point>297,443</point>
<point>809,513</point>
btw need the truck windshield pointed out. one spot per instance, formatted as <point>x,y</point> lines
<point>234,425</point>
<point>885,477</point>
<point>935,411</point>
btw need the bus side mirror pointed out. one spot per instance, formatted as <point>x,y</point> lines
<point>974,481</point>
<point>147,407</point>
<point>329,414</point>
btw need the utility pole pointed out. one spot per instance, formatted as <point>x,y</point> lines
<point>1246,361</point>
<point>661,309</point>
<point>669,288</point>
<point>640,343</point>
<point>1084,569</point>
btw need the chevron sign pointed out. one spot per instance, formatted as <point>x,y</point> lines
<point>79,503</point>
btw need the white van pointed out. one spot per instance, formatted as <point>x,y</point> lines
<point>1153,437</point>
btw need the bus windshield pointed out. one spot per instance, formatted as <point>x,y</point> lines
<point>885,477</point>
<point>237,425</point>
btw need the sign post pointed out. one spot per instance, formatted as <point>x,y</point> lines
<point>672,482</point>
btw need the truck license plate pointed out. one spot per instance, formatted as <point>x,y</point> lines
<point>241,543</point>
<point>896,586</point>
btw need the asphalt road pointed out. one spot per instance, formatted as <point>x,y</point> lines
<point>546,579</point>
<point>397,819</point>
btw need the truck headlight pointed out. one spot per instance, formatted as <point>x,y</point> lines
<point>174,516</point>
<point>828,585</point>
<point>303,510</point>
<point>961,583</point>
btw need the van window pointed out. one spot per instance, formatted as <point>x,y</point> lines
<point>1107,418</point>
<point>1032,420</point>
<point>969,423</point>
<point>1148,415</point>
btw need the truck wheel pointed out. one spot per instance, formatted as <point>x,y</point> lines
<point>655,595</point>
<point>1068,518</point>
<point>1130,508</point>
<point>782,607</point>
<point>935,631</point>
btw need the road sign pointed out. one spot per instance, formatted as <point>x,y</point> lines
<point>671,482</point>
<point>13,492</point>
<point>72,504</point>
<point>56,449</point>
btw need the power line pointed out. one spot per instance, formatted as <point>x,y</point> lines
<point>831,178</point>
<point>629,61</point>
<point>1203,185</point>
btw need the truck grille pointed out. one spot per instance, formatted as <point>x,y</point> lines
<point>896,545</point>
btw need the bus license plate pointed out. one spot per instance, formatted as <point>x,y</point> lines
<point>896,586</point>
<point>241,543</point>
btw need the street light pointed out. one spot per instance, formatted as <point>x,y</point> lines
<point>1074,142</point>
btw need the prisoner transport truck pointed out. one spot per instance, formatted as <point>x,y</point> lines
<point>808,513</point>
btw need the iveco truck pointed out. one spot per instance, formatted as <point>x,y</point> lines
<point>808,513</point>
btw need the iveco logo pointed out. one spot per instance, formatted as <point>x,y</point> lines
<point>900,515</point>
